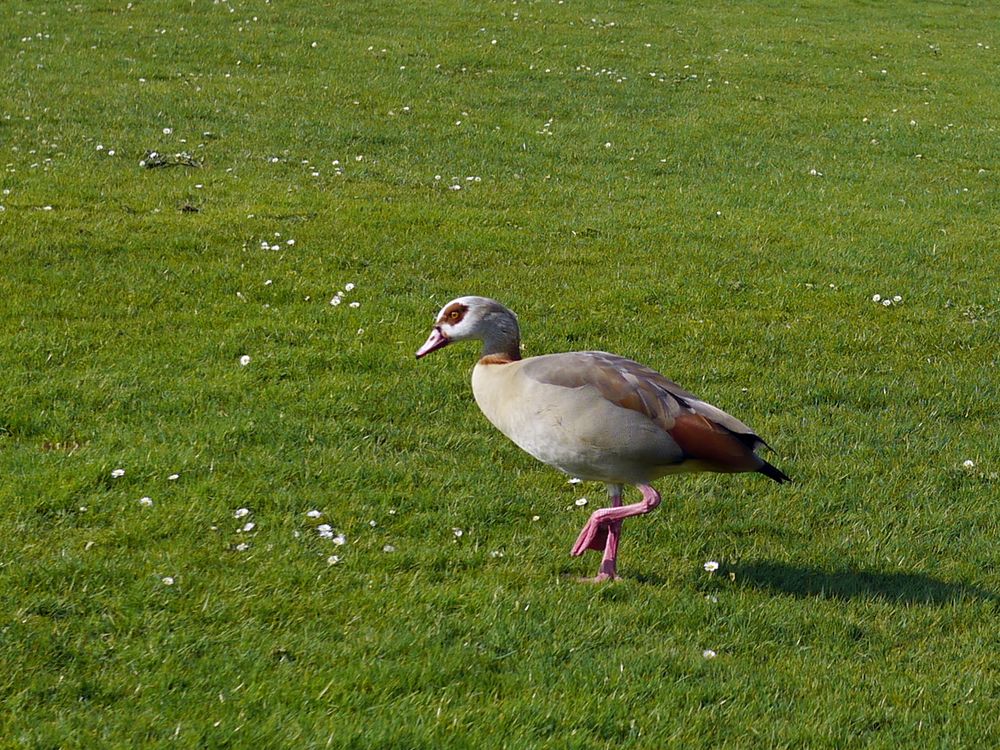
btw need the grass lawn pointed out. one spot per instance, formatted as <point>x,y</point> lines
<point>715,189</point>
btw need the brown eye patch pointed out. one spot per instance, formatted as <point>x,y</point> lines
<point>453,313</point>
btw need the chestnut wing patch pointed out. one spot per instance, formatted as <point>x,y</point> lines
<point>702,439</point>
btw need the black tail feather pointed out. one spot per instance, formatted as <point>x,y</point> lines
<point>772,472</point>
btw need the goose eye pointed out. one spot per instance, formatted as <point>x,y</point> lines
<point>454,315</point>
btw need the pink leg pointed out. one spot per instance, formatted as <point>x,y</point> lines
<point>606,523</point>
<point>602,538</point>
<point>609,562</point>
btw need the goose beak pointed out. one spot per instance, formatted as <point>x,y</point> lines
<point>435,341</point>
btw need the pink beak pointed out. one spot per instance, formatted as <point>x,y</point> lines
<point>434,342</point>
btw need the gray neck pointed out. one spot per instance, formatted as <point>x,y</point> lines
<point>504,337</point>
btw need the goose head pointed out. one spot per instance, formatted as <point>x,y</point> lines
<point>477,318</point>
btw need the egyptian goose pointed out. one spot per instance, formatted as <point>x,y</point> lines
<point>596,416</point>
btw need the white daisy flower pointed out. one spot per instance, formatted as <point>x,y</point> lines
<point>146,501</point>
<point>167,580</point>
<point>117,473</point>
<point>244,360</point>
<point>709,653</point>
<point>241,512</point>
<point>314,514</point>
<point>711,566</point>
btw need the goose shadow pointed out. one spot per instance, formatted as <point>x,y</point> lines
<point>853,583</point>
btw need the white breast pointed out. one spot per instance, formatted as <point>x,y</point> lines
<point>574,430</point>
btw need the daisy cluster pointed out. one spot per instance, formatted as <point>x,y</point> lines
<point>684,75</point>
<point>43,158</point>
<point>38,37</point>
<point>337,166</point>
<point>457,183</point>
<point>326,531</point>
<point>145,501</point>
<point>580,502</point>
<point>887,301</point>
<point>277,243</point>
<point>245,528</point>
<point>339,297</point>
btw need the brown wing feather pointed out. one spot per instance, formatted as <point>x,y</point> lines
<point>720,449</point>
<point>705,433</point>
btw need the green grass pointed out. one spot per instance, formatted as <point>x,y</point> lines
<point>645,186</point>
